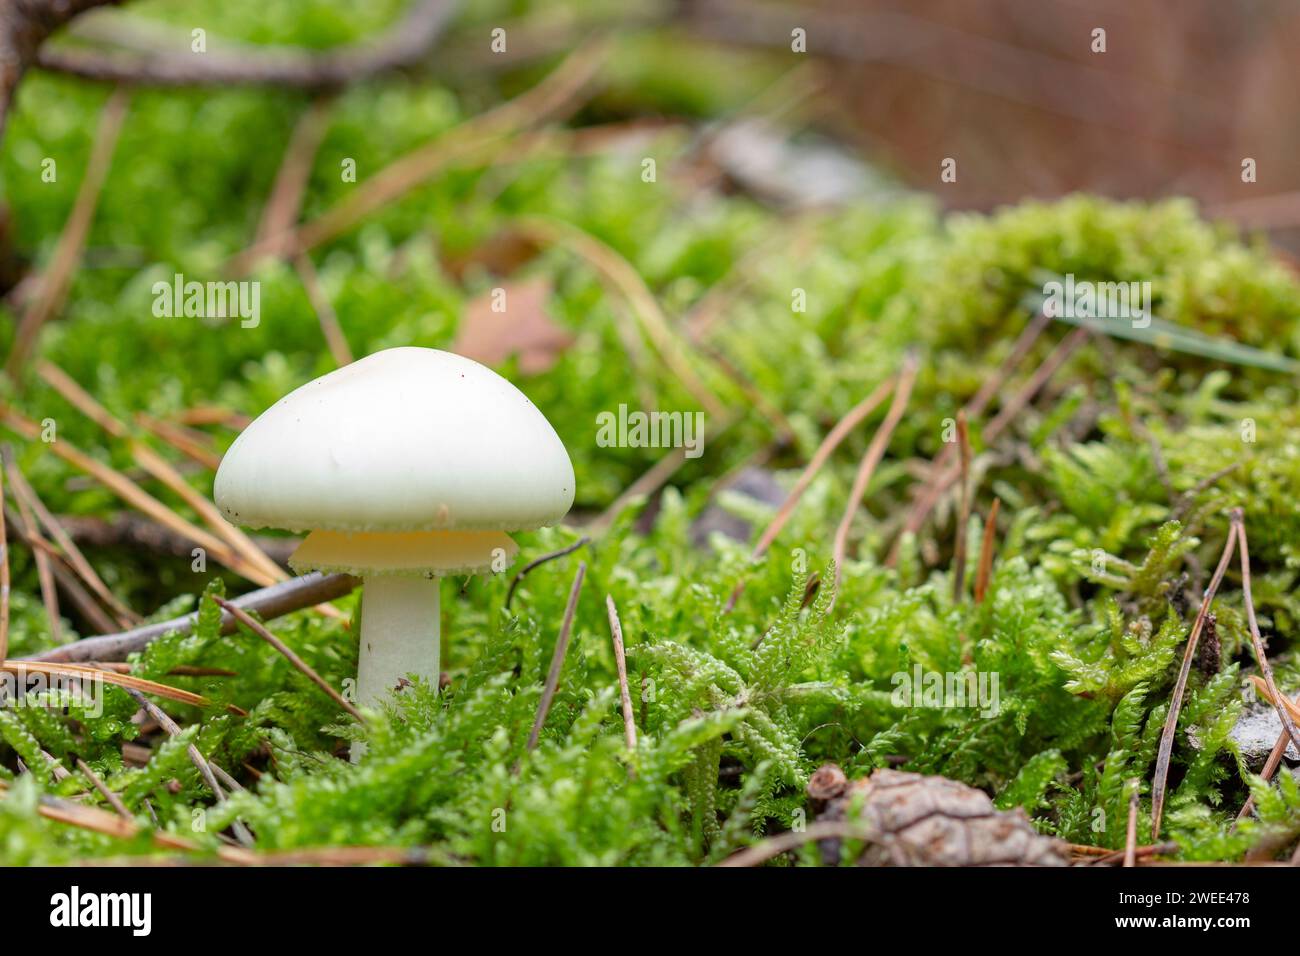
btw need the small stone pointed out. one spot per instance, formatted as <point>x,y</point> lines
<point>1256,732</point>
<point>755,483</point>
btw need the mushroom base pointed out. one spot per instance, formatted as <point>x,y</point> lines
<point>400,629</point>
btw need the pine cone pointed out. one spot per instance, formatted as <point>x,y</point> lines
<point>914,820</point>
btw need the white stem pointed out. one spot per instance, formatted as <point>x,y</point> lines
<point>399,634</point>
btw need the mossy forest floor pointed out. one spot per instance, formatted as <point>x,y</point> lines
<point>1116,464</point>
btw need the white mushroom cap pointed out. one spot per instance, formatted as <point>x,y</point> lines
<point>408,439</point>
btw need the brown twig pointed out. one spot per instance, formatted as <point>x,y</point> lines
<point>212,415</point>
<point>196,757</point>
<point>929,494</point>
<point>57,278</point>
<point>284,205</point>
<point>1140,854</point>
<point>620,661</point>
<point>987,545</point>
<point>875,451</point>
<point>261,631</point>
<point>134,495</point>
<point>44,566</point>
<point>192,444</point>
<point>538,562</point>
<point>26,495</point>
<point>654,478</point>
<point>134,532</point>
<point>833,438</point>
<point>1188,497</point>
<point>624,279</point>
<point>557,661</point>
<point>113,799</point>
<point>1180,686</point>
<point>404,44</point>
<point>21,668</point>
<point>111,824</point>
<point>963,510</point>
<point>550,97</point>
<point>774,846</point>
<point>1257,643</point>
<point>67,579</point>
<point>285,597</point>
<point>325,314</point>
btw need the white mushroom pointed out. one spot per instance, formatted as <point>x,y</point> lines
<point>404,466</point>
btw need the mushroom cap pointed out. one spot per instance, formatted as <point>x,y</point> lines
<point>407,439</point>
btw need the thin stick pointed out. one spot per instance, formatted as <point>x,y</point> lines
<point>774,846</point>
<point>1140,853</point>
<point>44,568</point>
<point>537,562</point>
<point>1180,686</point>
<point>285,202</point>
<point>257,628</point>
<point>929,495</point>
<point>875,451</point>
<point>227,781</point>
<point>113,799</point>
<point>824,451</point>
<point>620,660</point>
<point>192,444</point>
<point>67,580</point>
<point>24,492</point>
<point>269,602</point>
<point>1130,841</point>
<point>554,94</point>
<point>196,757</point>
<point>1261,658</point>
<point>54,284</point>
<point>21,668</point>
<point>963,510</point>
<point>557,660</point>
<point>136,496</point>
<point>111,824</point>
<point>620,274</point>
<point>328,318</point>
<point>4,578</point>
<point>149,57</point>
<point>654,478</point>
<point>985,571</point>
<point>155,465</point>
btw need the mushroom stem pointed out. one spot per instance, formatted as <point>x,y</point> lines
<point>399,634</point>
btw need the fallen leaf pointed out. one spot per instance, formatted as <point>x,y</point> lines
<point>521,327</point>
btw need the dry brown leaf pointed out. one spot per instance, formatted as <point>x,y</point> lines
<point>521,327</point>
